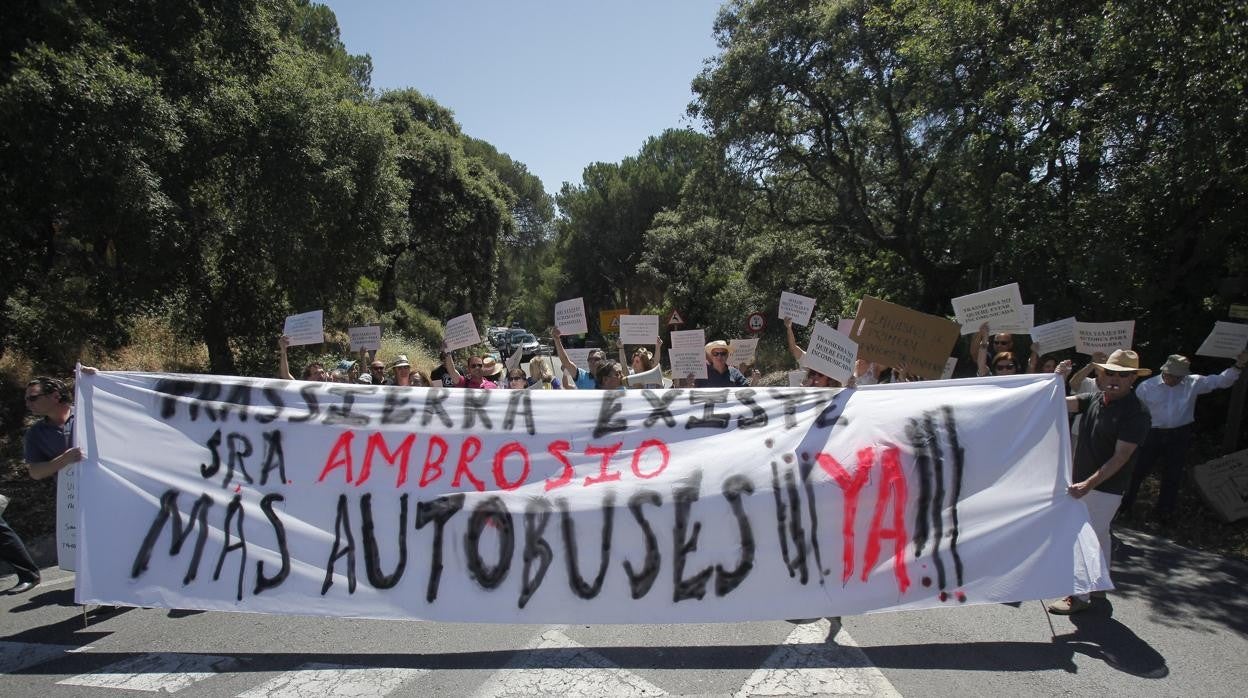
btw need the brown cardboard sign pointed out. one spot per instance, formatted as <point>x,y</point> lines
<point>1223,483</point>
<point>891,335</point>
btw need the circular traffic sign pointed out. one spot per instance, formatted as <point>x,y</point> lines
<point>755,323</point>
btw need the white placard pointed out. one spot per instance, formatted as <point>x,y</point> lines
<point>796,378</point>
<point>744,351</point>
<point>285,530</point>
<point>831,353</point>
<point>461,332</point>
<point>796,308</point>
<point>689,339</point>
<point>639,329</point>
<point>305,328</point>
<point>1026,319</point>
<point>580,357</point>
<point>67,517</point>
<point>1091,337</point>
<point>367,338</point>
<point>1226,340</point>
<point>570,316</point>
<point>950,365</point>
<point>686,362</point>
<point>1055,336</point>
<point>1001,306</point>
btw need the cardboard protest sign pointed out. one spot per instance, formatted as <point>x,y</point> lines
<point>1091,337</point>
<point>796,308</point>
<point>687,362</point>
<point>570,316</point>
<point>890,335</point>
<point>1001,306</point>
<point>1055,336</point>
<point>461,332</point>
<point>1226,340</point>
<point>639,329</point>
<point>305,328</point>
<point>689,339</point>
<point>510,506</point>
<point>366,338</point>
<point>744,350</point>
<point>831,353</point>
<point>1223,483</point>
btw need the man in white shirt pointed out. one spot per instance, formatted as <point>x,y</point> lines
<point>1171,399</point>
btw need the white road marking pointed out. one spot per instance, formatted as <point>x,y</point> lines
<point>15,656</point>
<point>316,680</point>
<point>556,665</point>
<point>807,664</point>
<point>157,671</point>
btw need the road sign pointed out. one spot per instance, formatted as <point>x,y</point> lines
<point>609,320</point>
<point>675,318</point>
<point>755,323</point>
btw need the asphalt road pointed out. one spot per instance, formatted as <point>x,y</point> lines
<point>1177,626</point>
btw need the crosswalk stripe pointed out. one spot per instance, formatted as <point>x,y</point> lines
<point>157,671</point>
<point>15,656</point>
<point>556,665</point>
<point>807,664</point>
<point>334,680</point>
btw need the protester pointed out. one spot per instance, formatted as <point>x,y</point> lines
<point>477,372</point>
<point>401,370</point>
<point>314,371</point>
<point>1171,400</point>
<point>516,379</point>
<point>983,343</point>
<point>645,371</point>
<point>718,373</point>
<point>1003,364</point>
<point>610,375</point>
<point>540,375</point>
<point>377,372</point>
<point>1113,424</point>
<point>576,377</point>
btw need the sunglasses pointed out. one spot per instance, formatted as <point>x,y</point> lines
<point>476,365</point>
<point>719,353</point>
<point>32,398</point>
<point>517,378</point>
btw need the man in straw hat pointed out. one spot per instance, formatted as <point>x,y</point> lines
<point>1171,400</point>
<point>1112,424</point>
<point>718,373</point>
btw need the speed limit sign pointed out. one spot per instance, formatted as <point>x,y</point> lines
<point>755,323</point>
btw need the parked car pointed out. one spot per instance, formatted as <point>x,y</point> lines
<point>525,343</point>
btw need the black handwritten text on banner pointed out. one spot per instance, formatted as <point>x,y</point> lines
<point>518,506</point>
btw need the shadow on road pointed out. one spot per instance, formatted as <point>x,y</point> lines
<point>1099,636</point>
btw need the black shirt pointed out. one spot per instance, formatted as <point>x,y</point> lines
<point>1101,427</point>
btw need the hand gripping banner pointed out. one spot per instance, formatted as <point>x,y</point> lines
<point>236,494</point>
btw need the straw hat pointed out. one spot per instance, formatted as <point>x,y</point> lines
<point>717,344</point>
<point>490,367</point>
<point>1125,360</point>
<point>401,362</point>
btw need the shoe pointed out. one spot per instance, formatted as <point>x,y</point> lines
<point>1069,605</point>
<point>22,587</point>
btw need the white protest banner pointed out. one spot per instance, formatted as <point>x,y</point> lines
<point>1091,337</point>
<point>687,362</point>
<point>1001,306</point>
<point>950,365</point>
<point>639,329</point>
<point>1055,336</point>
<point>744,350</point>
<point>461,332</point>
<point>258,495</point>
<point>689,339</point>
<point>305,328</point>
<point>1226,340</point>
<point>796,308</point>
<point>570,316</point>
<point>367,337</point>
<point>831,353</point>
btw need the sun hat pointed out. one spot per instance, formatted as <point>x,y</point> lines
<point>490,367</point>
<point>401,362</point>
<point>1177,365</point>
<point>364,378</point>
<point>718,344</point>
<point>1125,360</point>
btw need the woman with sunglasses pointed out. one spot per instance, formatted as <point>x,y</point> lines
<point>1003,364</point>
<point>644,370</point>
